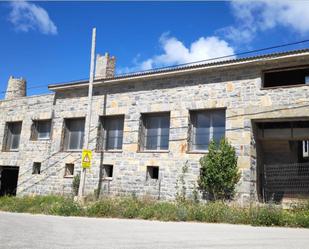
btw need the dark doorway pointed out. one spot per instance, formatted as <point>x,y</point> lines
<point>8,180</point>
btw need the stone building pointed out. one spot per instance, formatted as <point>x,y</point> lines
<point>146,127</point>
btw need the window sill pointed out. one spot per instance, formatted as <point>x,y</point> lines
<point>153,151</point>
<point>112,151</point>
<point>10,150</point>
<point>43,139</point>
<point>287,86</point>
<point>197,152</point>
<point>69,176</point>
<point>107,178</point>
<point>71,151</point>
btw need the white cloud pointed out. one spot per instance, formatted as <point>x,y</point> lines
<point>255,16</point>
<point>175,52</point>
<point>27,16</point>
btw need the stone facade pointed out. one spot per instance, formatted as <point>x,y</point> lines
<point>236,87</point>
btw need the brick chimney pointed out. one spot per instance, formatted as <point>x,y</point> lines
<point>105,66</point>
<point>16,88</point>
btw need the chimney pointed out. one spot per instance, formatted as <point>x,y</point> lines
<point>105,66</point>
<point>16,88</point>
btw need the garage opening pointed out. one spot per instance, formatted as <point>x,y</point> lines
<point>283,160</point>
<point>8,180</point>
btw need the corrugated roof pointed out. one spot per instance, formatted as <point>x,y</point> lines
<point>185,67</point>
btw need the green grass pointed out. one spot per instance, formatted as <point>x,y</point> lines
<point>212,212</point>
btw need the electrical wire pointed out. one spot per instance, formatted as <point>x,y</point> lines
<point>193,62</point>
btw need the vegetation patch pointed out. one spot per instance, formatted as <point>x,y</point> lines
<point>125,207</point>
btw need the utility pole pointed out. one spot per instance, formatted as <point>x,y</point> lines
<point>89,110</point>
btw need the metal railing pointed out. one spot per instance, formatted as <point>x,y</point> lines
<point>285,180</point>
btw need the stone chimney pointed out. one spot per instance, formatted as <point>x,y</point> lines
<point>105,66</point>
<point>16,88</point>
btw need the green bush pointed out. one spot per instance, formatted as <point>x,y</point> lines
<point>75,184</point>
<point>147,212</point>
<point>219,173</point>
<point>165,211</point>
<point>66,207</point>
<point>36,204</point>
<point>129,207</point>
<point>269,215</point>
<point>301,219</point>
<point>101,209</point>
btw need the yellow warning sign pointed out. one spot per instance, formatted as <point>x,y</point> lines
<point>86,158</point>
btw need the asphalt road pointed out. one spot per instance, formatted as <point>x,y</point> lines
<point>40,231</point>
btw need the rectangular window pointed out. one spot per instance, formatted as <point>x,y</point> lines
<point>111,132</point>
<point>206,125</point>
<point>152,172</point>
<point>107,171</point>
<point>286,77</point>
<point>36,168</point>
<point>12,136</point>
<point>41,129</point>
<point>155,131</point>
<point>69,170</point>
<point>74,134</point>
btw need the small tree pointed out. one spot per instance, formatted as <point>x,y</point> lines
<point>181,188</point>
<point>75,184</point>
<point>219,174</point>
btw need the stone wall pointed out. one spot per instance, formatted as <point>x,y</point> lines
<point>237,89</point>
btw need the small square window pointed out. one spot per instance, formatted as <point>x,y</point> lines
<point>107,171</point>
<point>307,79</point>
<point>69,170</point>
<point>152,172</point>
<point>36,168</point>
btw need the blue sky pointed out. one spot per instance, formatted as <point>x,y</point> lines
<point>49,42</point>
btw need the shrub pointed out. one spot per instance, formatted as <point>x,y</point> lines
<point>165,211</point>
<point>181,187</point>
<point>219,173</point>
<point>215,212</point>
<point>101,209</point>
<point>75,184</point>
<point>182,213</point>
<point>29,204</point>
<point>66,207</point>
<point>301,219</point>
<point>268,215</point>
<point>129,207</point>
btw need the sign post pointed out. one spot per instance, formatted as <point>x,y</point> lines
<point>86,159</point>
